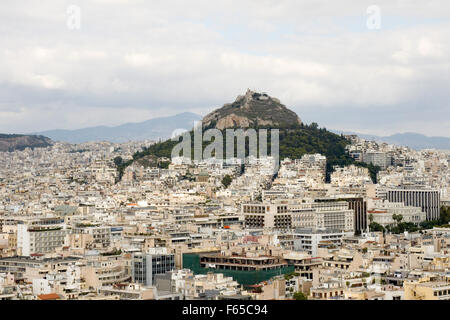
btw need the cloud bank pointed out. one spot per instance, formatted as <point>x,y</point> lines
<point>133,60</point>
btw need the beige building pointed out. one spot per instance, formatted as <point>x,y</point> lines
<point>427,288</point>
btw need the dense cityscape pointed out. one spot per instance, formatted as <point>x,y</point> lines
<point>70,229</point>
<point>211,159</point>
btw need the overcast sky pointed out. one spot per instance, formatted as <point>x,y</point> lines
<point>132,60</point>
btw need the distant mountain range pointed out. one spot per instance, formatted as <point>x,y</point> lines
<point>251,109</point>
<point>153,129</point>
<point>413,140</point>
<point>12,142</point>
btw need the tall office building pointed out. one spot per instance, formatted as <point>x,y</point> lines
<point>428,200</point>
<point>146,265</point>
<point>359,206</point>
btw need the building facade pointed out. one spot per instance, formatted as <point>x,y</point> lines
<point>146,265</point>
<point>427,200</point>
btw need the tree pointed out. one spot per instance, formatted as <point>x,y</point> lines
<point>373,171</point>
<point>376,227</point>
<point>444,217</point>
<point>314,125</point>
<point>163,164</point>
<point>118,161</point>
<point>300,296</point>
<point>398,218</point>
<point>226,181</point>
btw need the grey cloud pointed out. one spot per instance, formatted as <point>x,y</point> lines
<point>136,59</point>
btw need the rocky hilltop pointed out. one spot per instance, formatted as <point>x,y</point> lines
<point>12,142</point>
<point>252,110</point>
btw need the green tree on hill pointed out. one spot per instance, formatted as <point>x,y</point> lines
<point>118,161</point>
<point>293,143</point>
<point>226,181</point>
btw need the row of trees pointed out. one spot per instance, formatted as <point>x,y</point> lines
<point>401,226</point>
<point>443,221</point>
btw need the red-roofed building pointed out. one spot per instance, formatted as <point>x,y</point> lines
<point>50,296</point>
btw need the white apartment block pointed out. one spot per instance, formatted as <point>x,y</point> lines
<point>39,238</point>
<point>382,212</point>
<point>327,215</point>
<point>324,215</point>
<point>308,240</point>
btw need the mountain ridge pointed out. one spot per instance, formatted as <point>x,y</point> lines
<point>413,140</point>
<point>152,129</point>
<point>13,142</point>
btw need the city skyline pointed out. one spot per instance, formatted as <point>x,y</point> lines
<point>222,158</point>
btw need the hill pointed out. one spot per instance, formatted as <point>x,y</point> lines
<point>252,110</point>
<point>295,137</point>
<point>12,142</point>
<point>153,129</point>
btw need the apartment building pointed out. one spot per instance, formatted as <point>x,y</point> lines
<point>323,215</point>
<point>98,234</point>
<point>40,236</point>
<point>382,212</point>
<point>427,288</point>
<point>109,270</point>
<point>304,264</point>
<point>146,265</point>
<point>267,215</point>
<point>243,263</point>
<point>377,158</point>
<point>327,215</point>
<point>357,204</point>
<point>29,268</point>
<point>308,240</point>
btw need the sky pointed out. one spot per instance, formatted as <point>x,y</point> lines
<point>377,67</point>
